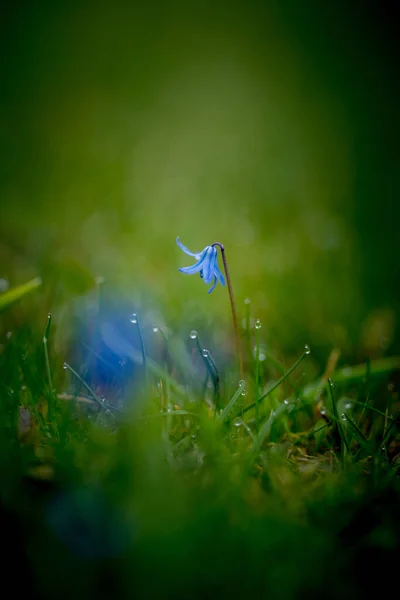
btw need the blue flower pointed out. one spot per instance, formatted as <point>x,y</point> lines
<point>206,265</point>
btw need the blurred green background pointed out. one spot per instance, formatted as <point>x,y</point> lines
<point>271,127</point>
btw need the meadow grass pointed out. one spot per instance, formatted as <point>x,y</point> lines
<point>194,483</point>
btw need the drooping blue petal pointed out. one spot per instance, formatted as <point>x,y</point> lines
<point>209,263</point>
<point>213,285</point>
<point>186,250</point>
<point>198,266</point>
<point>218,273</point>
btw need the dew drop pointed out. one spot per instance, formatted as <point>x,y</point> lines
<point>155,329</point>
<point>383,449</point>
<point>323,410</point>
<point>133,318</point>
<point>193,334</point>
<point>348,405</point>
<point>237,422</point>
<point>247,301</point>
<point>307,349</point>
<point>65,366</point>
<point>194,436</point>
<point>343,417</point>
<point>205,353</point>
<point>286,401</point>
<point>257,324</point>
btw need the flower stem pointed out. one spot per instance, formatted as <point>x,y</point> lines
<point>233,307</point>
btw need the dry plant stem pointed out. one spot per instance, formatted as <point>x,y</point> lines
<point>233,307</point>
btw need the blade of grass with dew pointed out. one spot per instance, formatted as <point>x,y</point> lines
<point>8,298</point>
<point>86,400</point>
<point>136,321</point>
<point>358,434</point>
<point>210,365</point>
<point>52,395</point>
<point>257,376</point>
<point>89,389</point>
<point>266,428</point>
<point>278,383</point>
<point>229,407</point>
<point>46,353</point>
<point>336,416</point>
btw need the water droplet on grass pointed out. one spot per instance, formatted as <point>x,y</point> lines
<point>193,334</point>
<point>247,300</point>
<point>242,384</point>
<point>65,366</point>
<point>286,401</point>
<point>323,410</point>
<point>155,329</point>
<point>133,318</point>
<point>237,422</point>
<point>205,353</point>
<point>348,405</point>
<point>343,417</point>
<point>257,324</point>
<point>307,349</point>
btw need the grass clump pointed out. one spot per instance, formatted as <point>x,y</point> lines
<point>128,475</point>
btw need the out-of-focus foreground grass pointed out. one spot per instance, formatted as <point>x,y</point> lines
<point>268,128</point>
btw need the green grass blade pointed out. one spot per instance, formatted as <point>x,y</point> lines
<point>336,415</point>
<point>47,363</point>
<point>375,410</point>
<point>348,375</point>
<point>8,298</point>
<point>266,428</point>
<point>228,408</point>
<point>358,434</point>
<point>88,388</point>
<point>278,383</point>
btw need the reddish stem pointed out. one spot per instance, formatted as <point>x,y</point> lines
<point>233,307</point>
